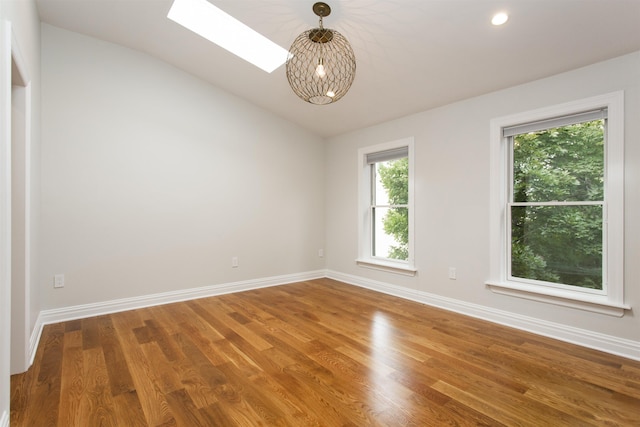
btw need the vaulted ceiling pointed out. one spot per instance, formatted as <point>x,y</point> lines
<point>412,55</point>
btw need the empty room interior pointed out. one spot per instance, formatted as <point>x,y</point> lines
<point>410,216</point>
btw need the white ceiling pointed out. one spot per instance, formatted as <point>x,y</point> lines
<point>412,55</point>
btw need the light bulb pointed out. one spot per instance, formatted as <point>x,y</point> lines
<point>320,71</point>
<point>331,94</point>
<point>499,18</point>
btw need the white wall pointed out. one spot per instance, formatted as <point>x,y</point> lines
<point>22,19</point>
<point>154,180</point>
<point>452,196</point>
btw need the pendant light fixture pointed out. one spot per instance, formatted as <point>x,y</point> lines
<point>321,64</point>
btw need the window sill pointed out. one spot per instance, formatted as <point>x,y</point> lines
<point>596,304</point>
<point>389,266</point>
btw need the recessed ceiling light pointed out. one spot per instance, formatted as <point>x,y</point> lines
<point>499,18</point>
<point>213,24</point>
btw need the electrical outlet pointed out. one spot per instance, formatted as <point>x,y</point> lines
<point>321,253</point>
<point>234,262</point>
<point>58,281</point>
<point>452,273</point>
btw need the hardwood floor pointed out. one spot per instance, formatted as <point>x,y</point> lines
<point>317,353</point>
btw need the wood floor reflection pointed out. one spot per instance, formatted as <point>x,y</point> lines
<point>317,353</point>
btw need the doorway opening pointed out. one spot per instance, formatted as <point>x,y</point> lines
<point>20,125</point>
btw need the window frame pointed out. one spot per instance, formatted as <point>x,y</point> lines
<point>365,220</point>
<point>611,300</point>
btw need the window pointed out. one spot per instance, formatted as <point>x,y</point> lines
<point>556,199</point>
<point>557,205</point>
<point>386,207</point>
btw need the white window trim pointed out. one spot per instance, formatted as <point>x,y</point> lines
<point>613,302</point>
<point>364,219</point>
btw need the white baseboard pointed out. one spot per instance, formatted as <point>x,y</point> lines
<point>607,343</point>
<point>97,309</point>
<point>35,339</point>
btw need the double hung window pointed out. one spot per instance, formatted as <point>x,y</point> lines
<point>557,205</point>
<point>556,201</point>
<point>386,213</point>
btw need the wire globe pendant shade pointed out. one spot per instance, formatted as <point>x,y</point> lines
<point>321,64</point>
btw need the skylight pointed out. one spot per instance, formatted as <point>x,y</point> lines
<point>213,24</point>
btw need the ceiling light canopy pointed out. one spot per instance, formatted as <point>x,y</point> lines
<point>218,27</point>
<point>321,64</point>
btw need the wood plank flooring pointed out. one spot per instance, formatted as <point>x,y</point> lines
<point>317,353</point>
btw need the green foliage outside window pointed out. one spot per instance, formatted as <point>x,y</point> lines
<point>559,244</point>
<point>394,176</point>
